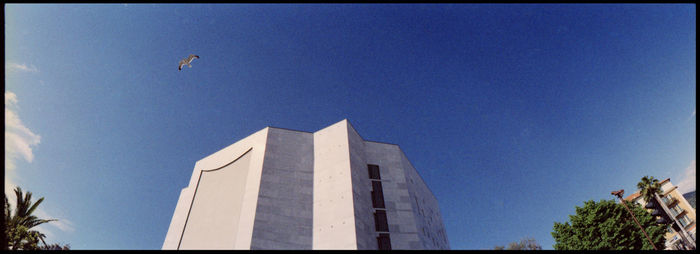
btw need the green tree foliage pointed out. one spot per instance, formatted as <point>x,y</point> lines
<point>524,244</point>
<point>649,186</point>
<point>18,225</point>
<point>55,246</point>
<point>607,225</point>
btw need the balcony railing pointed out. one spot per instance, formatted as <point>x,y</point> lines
<point>685,221</point>
<point>675,213</point>
<point>669,201</point>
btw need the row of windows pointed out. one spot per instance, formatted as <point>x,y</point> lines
<point>676,210</point>
<point>684,220</point>
<point>380,220</point>
<point>668,199</point>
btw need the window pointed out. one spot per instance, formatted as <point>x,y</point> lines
<point>666,198</point>
<point>380,221</point>
<point>684,220</point>
<point>377,195</point>
<point>377,187</point>
<point>676,210</point>
<point>377,200</point>
<point>383,242</point>
<point>373,171</point>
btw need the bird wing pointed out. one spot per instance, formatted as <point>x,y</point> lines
<point>187,61</point>
<point>182,63</point>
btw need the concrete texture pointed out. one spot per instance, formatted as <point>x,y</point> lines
<point>253,144</point>
<point>334,217</point>
<point>214,217</point>
<point>285,189</point>
<point>362,187</point>
<point>284,214</point>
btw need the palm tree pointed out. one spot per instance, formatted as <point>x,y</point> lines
<point>18,225</point>
<point>648,187</point>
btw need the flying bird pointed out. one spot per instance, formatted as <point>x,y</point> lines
<point>187,61</point>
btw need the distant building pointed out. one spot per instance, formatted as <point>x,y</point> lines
<point>680,208</point>
<point>286,189</point>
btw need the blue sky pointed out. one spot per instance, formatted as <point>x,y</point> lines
<point>512,114</point>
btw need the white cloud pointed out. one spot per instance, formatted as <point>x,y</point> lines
<point>19,141</point>
<point>10,98</point>
<point>18,138</point>
<point>49,228</point>
<point>10,189</point>
<point>20,67</point>
<point>62,224</point>
<point>691,116</point>
<point>687,180</point>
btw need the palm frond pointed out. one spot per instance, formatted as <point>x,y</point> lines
<point>31,210</point>
<point>36,222</point>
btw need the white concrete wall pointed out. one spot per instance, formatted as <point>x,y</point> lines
<point>177,223</point>
<point>667,186</point>
<point>214,216</point>
<point>333,213</point>
<point>241,238</point>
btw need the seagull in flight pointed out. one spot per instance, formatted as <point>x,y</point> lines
<point>187,61</point>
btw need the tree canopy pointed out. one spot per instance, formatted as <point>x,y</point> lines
<point>649,186</point>
<point>524,244</point>
<point>607,225</point>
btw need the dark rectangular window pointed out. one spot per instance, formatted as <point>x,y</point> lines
<point>384,242</point>
<point>377,195</point>
<point>373,171</point>
<point>380,221</point>
<point>377,187</point>
<point>377,200</point>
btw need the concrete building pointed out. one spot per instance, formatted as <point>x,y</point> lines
<point>285,189</point>
<point>679,207</point>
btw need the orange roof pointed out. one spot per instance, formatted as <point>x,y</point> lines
<point>633,196</point>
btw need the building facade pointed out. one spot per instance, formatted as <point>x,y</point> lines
<point>286,189</point>
<point>680,209</point>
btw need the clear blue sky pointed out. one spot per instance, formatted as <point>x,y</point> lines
<point>512,114</point>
